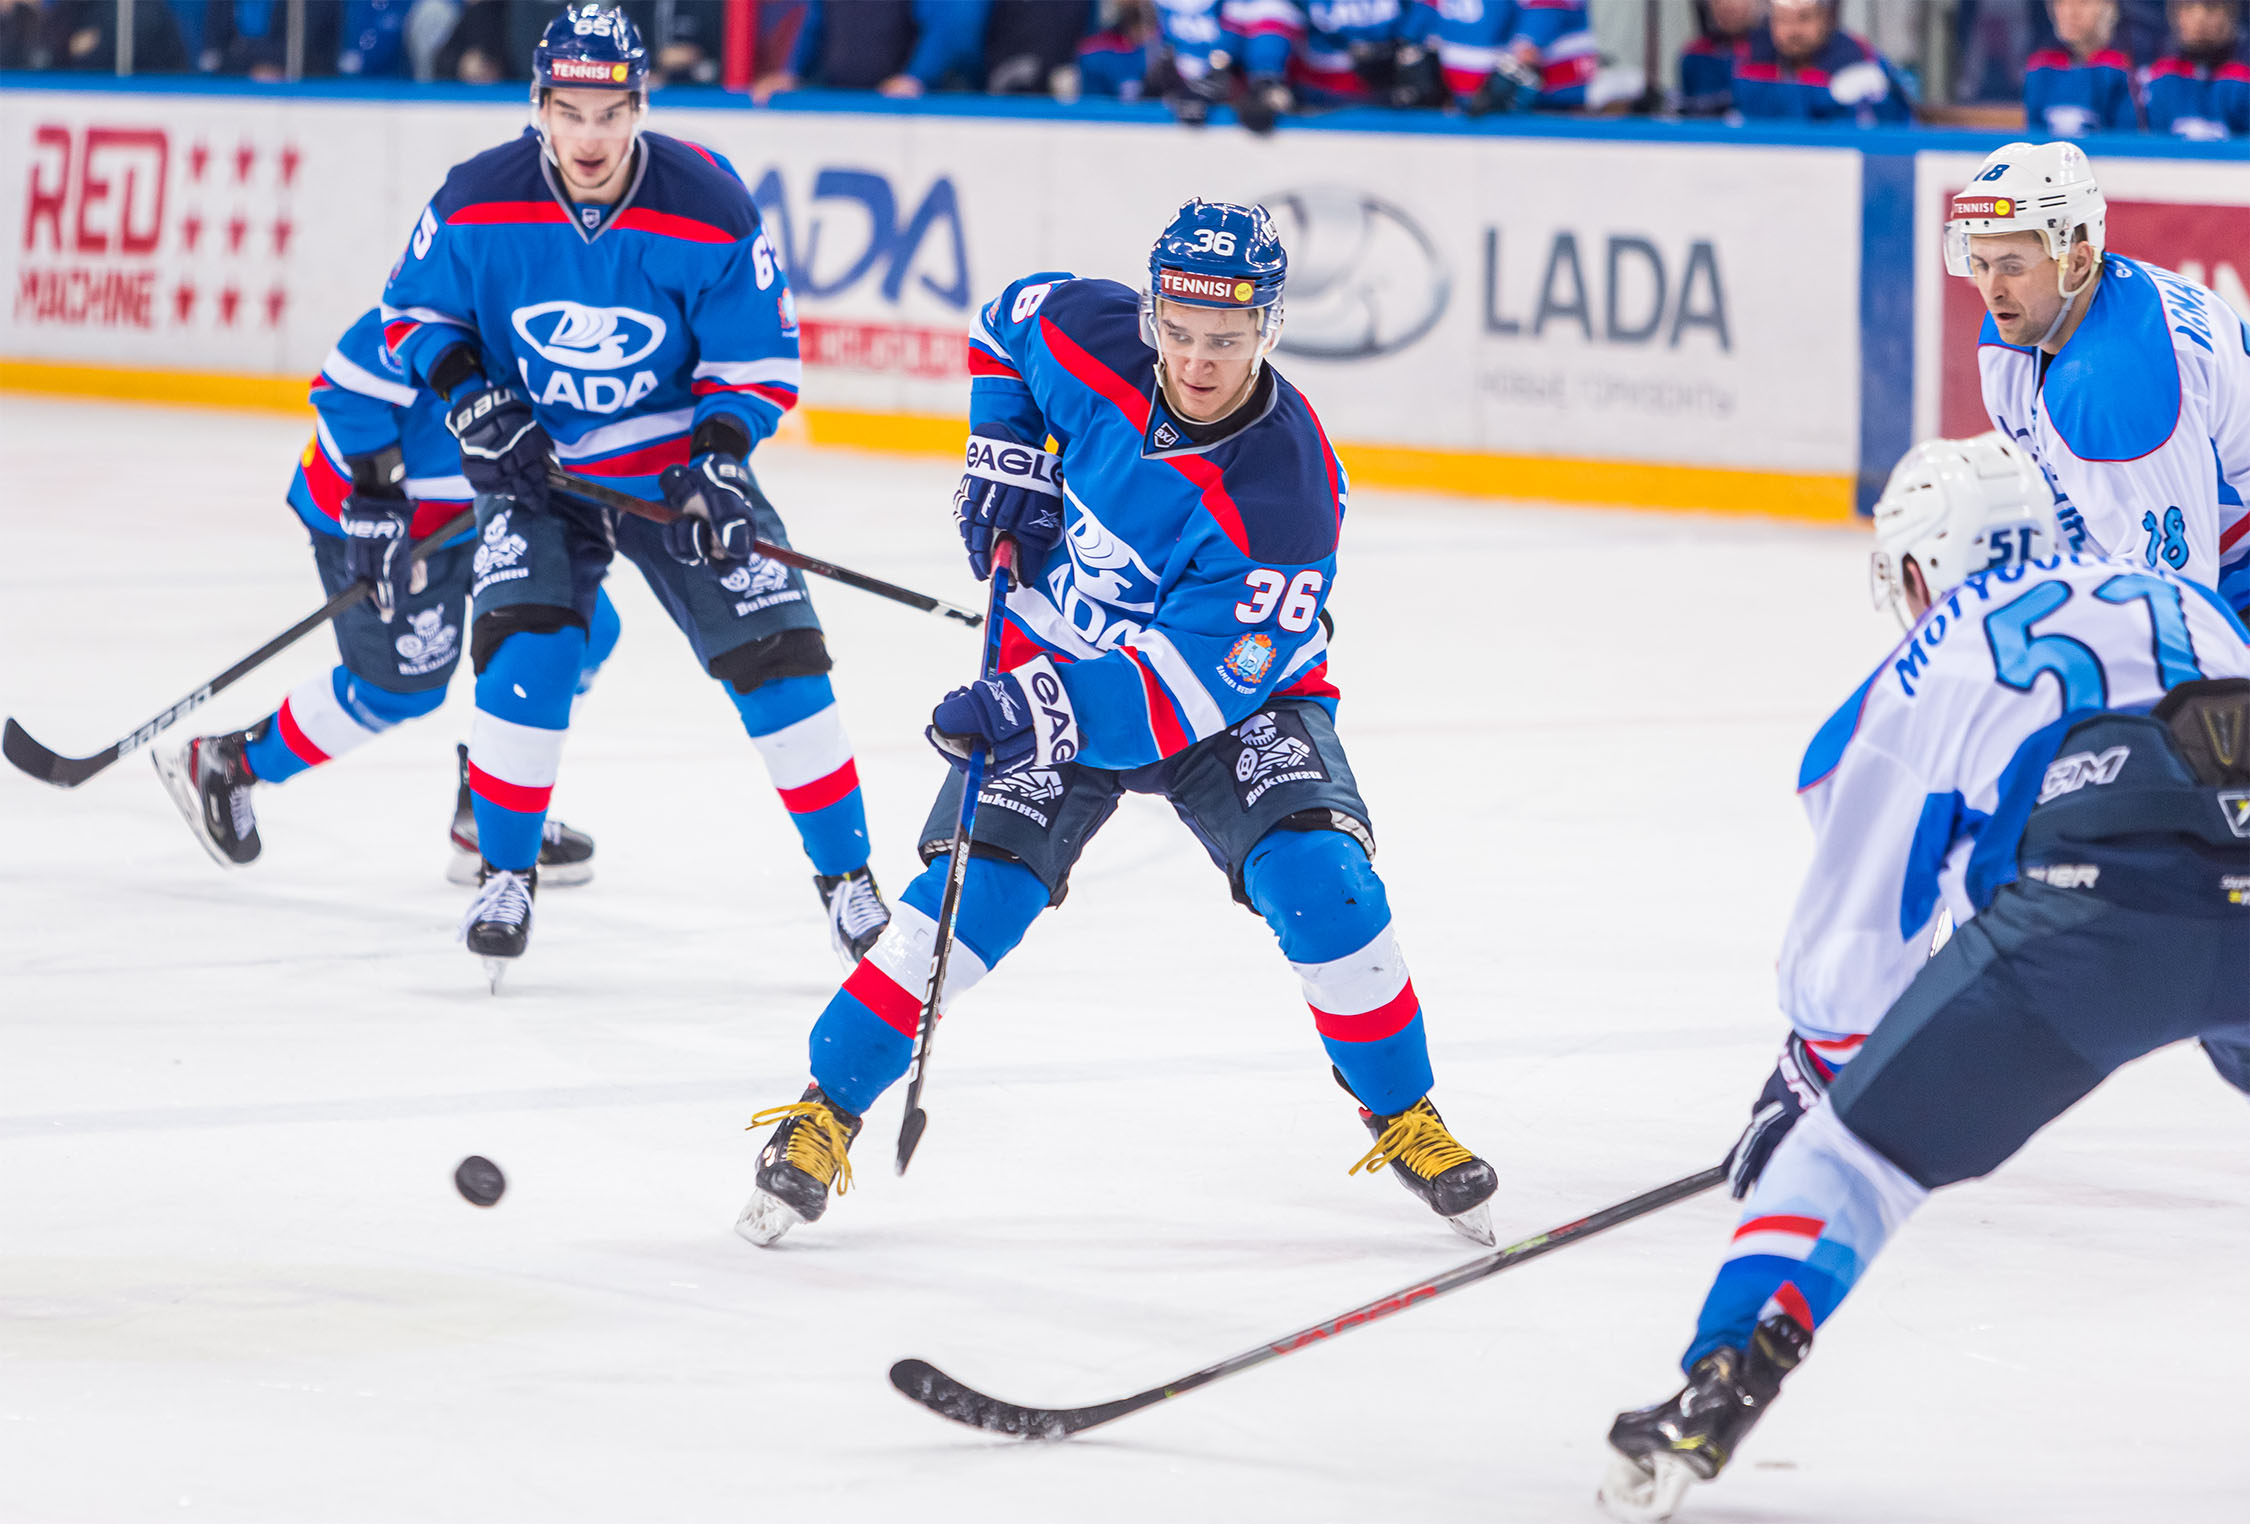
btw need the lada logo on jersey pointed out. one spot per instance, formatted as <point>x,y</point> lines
<point>589,338</point>
<point>1103,575</point>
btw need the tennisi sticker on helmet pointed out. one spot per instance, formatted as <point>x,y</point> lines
<point>1188,286</point>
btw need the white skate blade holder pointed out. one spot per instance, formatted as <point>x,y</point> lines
<point>496,969</point>
<point>172,771</point>
<point>1643,1492</point>
<point>1475,1224</point>
<point>765,1219</point>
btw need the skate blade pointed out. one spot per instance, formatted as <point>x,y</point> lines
<point>171,770</point>
<point>1644,1491</point>
<point>766,1218</point>
<point>1475,1224</point>
<point>496,969</point>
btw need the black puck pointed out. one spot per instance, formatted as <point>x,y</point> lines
<point>479,1180</point>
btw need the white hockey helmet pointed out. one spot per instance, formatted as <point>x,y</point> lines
<point>1958,507</point>
<point>2043,188</point>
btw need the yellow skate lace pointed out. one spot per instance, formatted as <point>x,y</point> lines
<point>1418,1140</point>
<point>819,1147</point>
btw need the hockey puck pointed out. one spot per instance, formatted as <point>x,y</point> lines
<point>479,1180</point>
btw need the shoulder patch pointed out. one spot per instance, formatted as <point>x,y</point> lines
<point>2113,394</point>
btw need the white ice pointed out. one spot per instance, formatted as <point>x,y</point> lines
<point>236,1282</point>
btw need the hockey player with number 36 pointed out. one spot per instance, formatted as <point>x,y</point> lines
<point>606,296</point>
<point>1175,507</point>
<point>2059,752</point>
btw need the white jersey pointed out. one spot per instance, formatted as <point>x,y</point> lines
<point>1919,786</point>
<point>2141,423</point>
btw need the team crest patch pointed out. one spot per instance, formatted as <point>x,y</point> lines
<point>1250,660</point>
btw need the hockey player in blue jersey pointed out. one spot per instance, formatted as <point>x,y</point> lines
<point>605,296</point>
<point>2128,383</point>
<point>379,473</point>
<point>2059,753</point>
<point>1175,546</point>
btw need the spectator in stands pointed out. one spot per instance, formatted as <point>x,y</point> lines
<point>2085,85</point>
<point>1707,62</point>
<point>1028,44</point>
<point>1114,61</point>
<point>1191,68</point>
<point>2201,88</point>
<point>1803,67</point>
<point>897,48</point>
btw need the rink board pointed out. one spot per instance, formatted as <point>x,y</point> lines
<point>1590,315</point>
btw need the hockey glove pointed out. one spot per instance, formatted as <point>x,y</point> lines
<point>376,548</point>
<point>1265,101</point>
<point>1023,718</point>
<point>1011,489</point>
<point>712,493</point>
<point>1420,81</point>
<point>1376,64</point>
<point>1513,85</point>
<point>504,452</point>
<point>1794,1088</point>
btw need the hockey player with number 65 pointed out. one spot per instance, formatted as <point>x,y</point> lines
<point>1175,550</point>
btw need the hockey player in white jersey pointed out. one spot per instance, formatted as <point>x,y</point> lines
<point>2059,752</point>
<point>2129,383</point>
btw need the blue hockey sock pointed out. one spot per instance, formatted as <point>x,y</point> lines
<point>601,639</point>
<point>327,716</point>
<point>793,723</point>
<point>861,1044</point>
<point>1321,896</point>
<point>515,744</point>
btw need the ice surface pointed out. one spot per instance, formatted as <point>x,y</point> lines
<point>236,1282</point>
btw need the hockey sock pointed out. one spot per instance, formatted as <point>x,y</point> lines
<point>861,1044</point>
<point>794,724</point>
<point>1321,896</point>
<point>601,639</point>
<point>327,716</point>
<point>1821,1211</point>
<point>515,745</point>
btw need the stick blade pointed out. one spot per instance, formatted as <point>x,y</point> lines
<point>47,766</point>
<point>910,1130</point>
<point>919,1381</point>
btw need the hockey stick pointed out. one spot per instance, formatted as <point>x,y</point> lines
<point>50,766</point>
<point>559,480</point>
<point>948,1398</point>
<point>911,1125</point>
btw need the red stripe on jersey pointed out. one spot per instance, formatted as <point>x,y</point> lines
<point>1465,81</point>
<point>893,1006</point>
<point>639,219</point>
<point>2110,58</point>
<point>708,157</point>
<point>1817,78</point>
<point>781,397</point>
<point>509,796</point>
<point>821,792</point>
<point>502,213</point>
<point>1314,684</point>
<point>2171,66</point>
<point>1334,466</point>
<point>1567,74</point>
<point>1016,648</point>
<point>2047,58</point>
<point>645,461</point>
<point>395,334</point>
<point>1757,73</point>
<point>1803,1227</point>
<point>2234,69</point>
<point>300,746</point>
<point>1792,1301</point>
<point>982,362</point>
<point>2228,537</point>
<point>1386,1020</point>
<point>430,514</point>
<point>1163,720</point>
<point>328,486</point>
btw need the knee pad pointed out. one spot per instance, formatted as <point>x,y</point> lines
<point>489,630</point>
<point>380,708</point>
<point>533,678</point>
<point>1318,892</point>
<point>792,653</point>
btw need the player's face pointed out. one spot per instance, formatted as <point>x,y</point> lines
<point>1801,28</point>
<point>1734,17</point>
<point>591,135</point>
<point>2084,24</point>
<point>2203,25</point>
<point>2017,281</point>
<point>1209,354</point>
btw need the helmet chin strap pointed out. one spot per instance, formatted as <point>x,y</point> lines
<point>2070,295</point>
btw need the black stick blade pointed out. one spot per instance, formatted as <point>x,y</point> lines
<point>910,1129</point>
<point>924,1383</point>
<point>48,766</point>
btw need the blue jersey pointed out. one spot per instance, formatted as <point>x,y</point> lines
<point>2067,99</point>
<point>2192,100</point>
<point>671,308</point>
<point>1919,788</point>
<point>1707,74</point>
<point>1187,592</point>
<point>1197,37</point>
<point>1846,81</point>
<point>363,404</point>
<point>1552,36</point>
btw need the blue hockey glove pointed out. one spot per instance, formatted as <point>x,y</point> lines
<point>1011,489</point>
<point>1513,85</point>
<point>1023,718</point>
<point>712,493</point>
<point>504,451</point>
<point>376,548</point>
<point>1794,1088</point>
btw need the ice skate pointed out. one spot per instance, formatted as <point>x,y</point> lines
<point>209,778</point>
<point>1692,1435</point>
<point>807,1154</point>
<point>566,856</point>
<point>497,926</point>
<point>1429,1161</point>
<point>856,913</point>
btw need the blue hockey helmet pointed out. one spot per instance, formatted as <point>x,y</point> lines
<point>1218,254</point>
<point>589,47</point>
